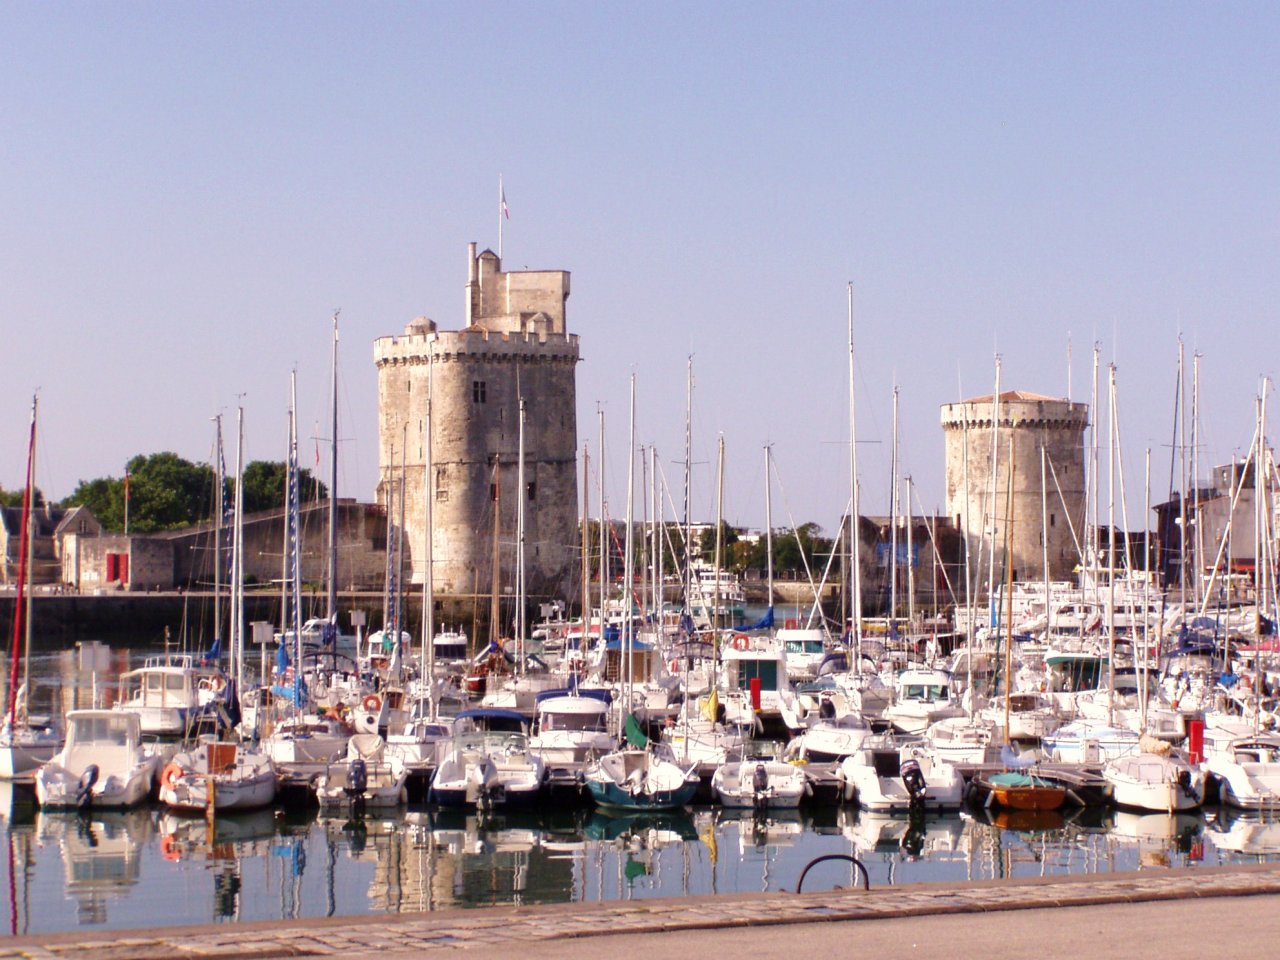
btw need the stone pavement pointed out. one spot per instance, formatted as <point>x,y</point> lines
<point>768,924</point>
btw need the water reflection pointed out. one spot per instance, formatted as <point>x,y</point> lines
<point>146,866</point>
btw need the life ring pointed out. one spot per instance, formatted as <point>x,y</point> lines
<point>741,641</point>
<point>169,847</point>
<point>170,776</point>
<point>371,703</point>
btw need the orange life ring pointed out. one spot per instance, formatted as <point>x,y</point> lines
<point>741,641</point>
<point>170,776</point>
<point>169,847</point>
<point>371,703</point>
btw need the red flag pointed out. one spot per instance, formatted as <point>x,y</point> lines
<point>126,484</point>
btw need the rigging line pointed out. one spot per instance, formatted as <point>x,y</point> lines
<point>937,554</point>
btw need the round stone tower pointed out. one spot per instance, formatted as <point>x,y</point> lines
<point>514,345</point>
<point>1032,423</point>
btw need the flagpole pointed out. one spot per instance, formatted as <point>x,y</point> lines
<point>502,199</point>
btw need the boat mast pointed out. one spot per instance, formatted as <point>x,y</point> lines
<point>911,561</point>
<point>586,550</point>
<point>628,563</point>
<point>295,547</point>
<point>993,618</point>
<point>688,470</point>
<point>1111,544</point>
<point>331,605</point>
<point>893,520</point>
<point>521,495</point>
<point>604,536</point>
<point>494,614</point>
<point>428,559</point>
<point>855,572</point>
<point>237,557</point>
<point>396,652</point>
<point>768,522</point>
<point>24,568</point>
<point>218,481</point>
<point>1008,600</point>
<point>715,614</point>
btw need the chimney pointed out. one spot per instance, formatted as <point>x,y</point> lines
<point>471,280</point>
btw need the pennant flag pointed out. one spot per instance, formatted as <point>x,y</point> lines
<point>505,212</point>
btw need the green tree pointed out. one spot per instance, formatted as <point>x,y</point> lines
<point>165,492</point>
<point>728,538</point>
<point>264,482</point>
<point>13,498</point>
<point>104,497</point>
<point>788,549</point>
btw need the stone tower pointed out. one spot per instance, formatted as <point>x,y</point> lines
<point>514,344</point>
<point>1032,422</point>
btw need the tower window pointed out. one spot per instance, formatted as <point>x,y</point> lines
<point>533,489</point>
<point>1053,519</point>
<point>477,391</point>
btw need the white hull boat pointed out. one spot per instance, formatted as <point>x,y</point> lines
<point>103,763</point>
<point>235,778</point>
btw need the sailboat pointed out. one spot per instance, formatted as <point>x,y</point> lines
<point>24,745</point>
<point>224,775</point>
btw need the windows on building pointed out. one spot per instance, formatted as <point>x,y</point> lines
<point>478,391</point>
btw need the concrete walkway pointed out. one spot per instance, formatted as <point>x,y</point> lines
<point>1168,914</point>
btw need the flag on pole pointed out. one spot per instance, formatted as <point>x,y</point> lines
<point>505,212</point>
<point>126,484</point>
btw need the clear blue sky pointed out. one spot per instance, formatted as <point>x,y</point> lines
<point>188,192</point>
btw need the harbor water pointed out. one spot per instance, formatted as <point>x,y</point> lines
<point>147,867</point>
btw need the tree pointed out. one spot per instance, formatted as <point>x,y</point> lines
<point>104,497</point>
<point>13,498</point>
<point>728,537</point>
<point>164,492</point>
<point>264,482</point>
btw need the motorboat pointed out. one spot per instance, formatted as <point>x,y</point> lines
<point>921,697</point>
<point>760,783</point>
<point>1246,773</point>
<point>640,778</point>
<point>1085,741</point>
<point>102,764</point>
<point>489,762</point>
<point>961,739</point>
<point>367,777</point>
<point>887,776</point>
<point>228,776</point>
<point>571,728</point>
<point>169,693</point>
<point>1157,778</point>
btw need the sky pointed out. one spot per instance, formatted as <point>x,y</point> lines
<point>189,192</point>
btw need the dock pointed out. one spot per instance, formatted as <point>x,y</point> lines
<point>1172,914</point>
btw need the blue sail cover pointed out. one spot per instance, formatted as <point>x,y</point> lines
<point>214,653</point>
<point>764,623</point>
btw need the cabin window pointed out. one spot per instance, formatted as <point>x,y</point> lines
<point>477,391</point>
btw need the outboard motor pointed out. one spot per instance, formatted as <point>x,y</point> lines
<point>357,779</point>
<point>913,780</point>
<point>760,786</point>
<point>84,789</point>
<point>827,709</point>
